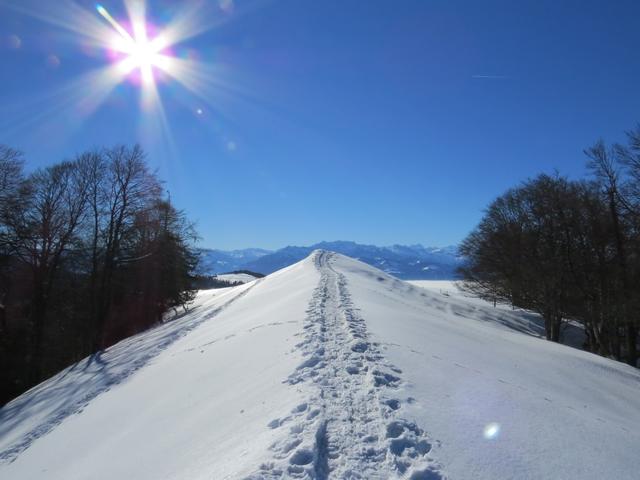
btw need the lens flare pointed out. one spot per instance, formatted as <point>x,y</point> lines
<point>103,11</point>
<point>491,431</point>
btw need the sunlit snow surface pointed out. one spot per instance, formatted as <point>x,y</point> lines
<point>452,387</point>
<point>236,277</point>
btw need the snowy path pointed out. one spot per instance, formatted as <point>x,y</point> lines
<point>350,427</point>
<point>364,371</point>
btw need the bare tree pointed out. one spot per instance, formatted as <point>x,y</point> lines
<point>40,228</point>
<point>11,178</point>
<point>129,187</point>
<point>90,253</point>
<point>604,163</point>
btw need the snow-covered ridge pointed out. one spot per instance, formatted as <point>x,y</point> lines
<point>328,369</point>
<point>403,261</point>
<point>236,277</point>
<point>351,424</point>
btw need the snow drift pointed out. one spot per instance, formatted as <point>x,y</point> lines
<point>328,369</point>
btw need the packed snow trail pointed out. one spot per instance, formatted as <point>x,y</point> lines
<point>350,427</point>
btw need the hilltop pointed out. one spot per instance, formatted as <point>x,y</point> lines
<point>414,262</point>
<point>330,368</point>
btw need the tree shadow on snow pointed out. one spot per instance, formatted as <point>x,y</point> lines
<point>41,409</point>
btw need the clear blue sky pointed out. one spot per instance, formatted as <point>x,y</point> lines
<point>375,121</point>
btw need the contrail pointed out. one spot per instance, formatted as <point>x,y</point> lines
<point>490,77</point>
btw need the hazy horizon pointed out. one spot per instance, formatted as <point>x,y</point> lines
<point>258,247</point>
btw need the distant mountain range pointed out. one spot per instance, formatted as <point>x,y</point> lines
<point>221,261</point>
<point>409,262</point>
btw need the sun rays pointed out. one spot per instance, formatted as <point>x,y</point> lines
<point>145,49</point>
<point>138,52</point>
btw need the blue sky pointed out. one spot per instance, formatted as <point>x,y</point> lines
<point>375,121</point>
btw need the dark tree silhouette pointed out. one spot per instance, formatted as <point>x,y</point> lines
<point>90,252</point>
<point>568,250</point>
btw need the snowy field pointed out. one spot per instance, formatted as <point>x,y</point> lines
<point>236,277</point>
<point>331,369</point>
<point>464,304</point>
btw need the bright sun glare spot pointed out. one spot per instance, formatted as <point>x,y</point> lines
<point>142,55</point>
<point>491,431</point>
<point>140,52</point>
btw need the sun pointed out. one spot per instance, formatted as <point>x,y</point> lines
<point>149,51</point>
<point>143,55</point>
<point>138,52</point>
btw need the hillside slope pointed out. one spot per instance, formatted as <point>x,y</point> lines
<point>329,369</point>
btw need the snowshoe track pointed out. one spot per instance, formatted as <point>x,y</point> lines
<point>350,427</point>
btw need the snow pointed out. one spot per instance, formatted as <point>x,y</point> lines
<point>236,277</point>
<point>331,368</point>
<point>463,304</point>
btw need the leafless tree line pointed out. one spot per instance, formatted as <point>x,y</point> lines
<point>569,250</point>
<point>91,251</point>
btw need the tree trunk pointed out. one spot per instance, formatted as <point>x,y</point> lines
<point>631,335</point>
<point>548,326</point>
<point>555,328</point>
<point>38,313</point>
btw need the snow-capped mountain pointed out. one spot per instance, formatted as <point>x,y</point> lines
<point>220,261</point>
<point>413,262</point>
<point>330,369</point>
